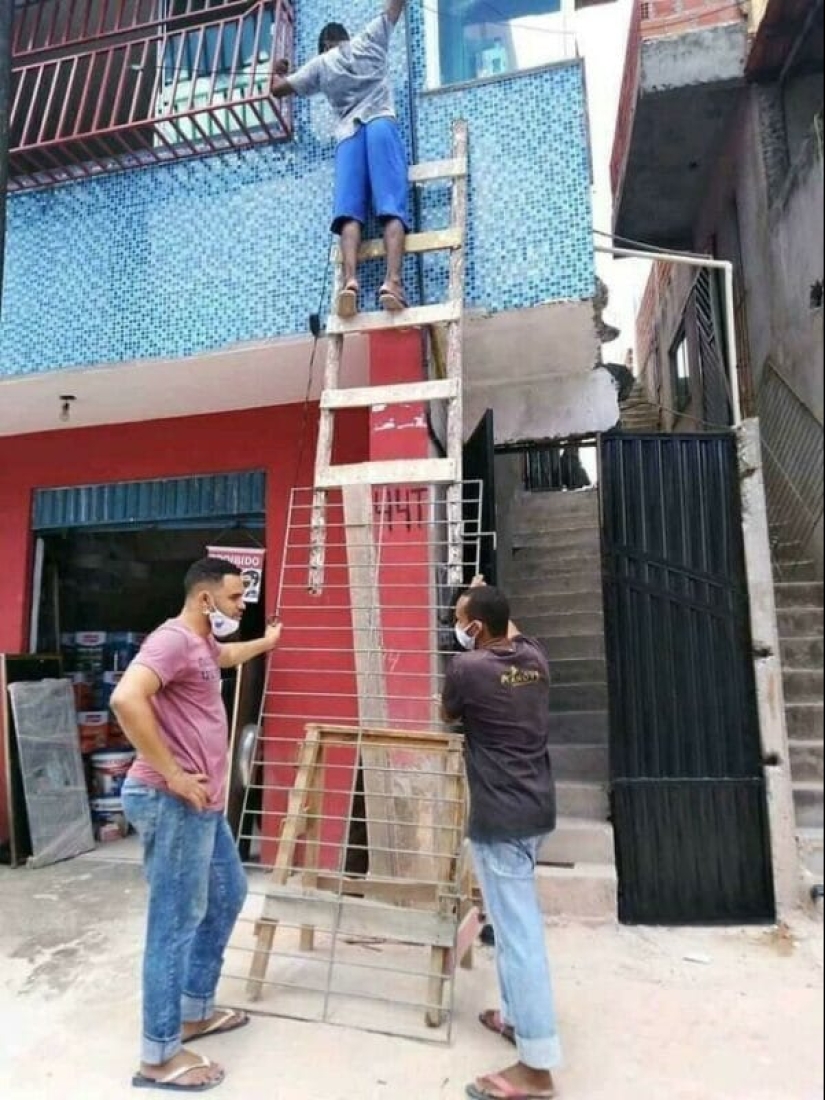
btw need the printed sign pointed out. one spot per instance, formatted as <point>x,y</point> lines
<point>250,561</point>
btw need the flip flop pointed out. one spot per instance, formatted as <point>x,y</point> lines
<point>480,1090</point>
<point>347,303</point>
<point>171,1083</point>
<point>392,302</point>
<point>219,1025</point>
<point>491,1019</point>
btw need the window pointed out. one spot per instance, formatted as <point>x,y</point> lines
<point>479,39</point>
<point>680,372</point>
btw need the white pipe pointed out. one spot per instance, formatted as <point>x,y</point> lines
<point>688,259</point>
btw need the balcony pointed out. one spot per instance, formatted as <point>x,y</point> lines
<point>103,85</point>
<point>684,69</point>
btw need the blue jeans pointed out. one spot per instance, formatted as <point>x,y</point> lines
<point>507,876</point>
<point>197,888</point>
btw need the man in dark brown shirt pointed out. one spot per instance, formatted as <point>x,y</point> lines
<point>500,690</point>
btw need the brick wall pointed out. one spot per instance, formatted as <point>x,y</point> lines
<point>677,16</point>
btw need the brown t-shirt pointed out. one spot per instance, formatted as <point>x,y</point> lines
<point>502,696</point>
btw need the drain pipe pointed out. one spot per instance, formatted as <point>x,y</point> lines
<point>6,23</point>
<point>696,260</point>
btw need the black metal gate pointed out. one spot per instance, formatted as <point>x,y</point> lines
<point>689,800</point>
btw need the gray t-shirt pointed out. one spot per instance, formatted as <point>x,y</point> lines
<point>355,78</point>
<point>502,697</point>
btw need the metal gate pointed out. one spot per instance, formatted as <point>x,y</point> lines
<point>688,791</point>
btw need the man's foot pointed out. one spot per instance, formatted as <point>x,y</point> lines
<point>491,1019</point>
<point>184,1071</point>
<point>347,304</point>
<point>519,1082</point>
<point>220,1022</point>
<point>391,296</point>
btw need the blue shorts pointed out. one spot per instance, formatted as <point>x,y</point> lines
<point>371,171</point>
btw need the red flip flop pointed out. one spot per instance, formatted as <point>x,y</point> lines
<point>480,1090</point>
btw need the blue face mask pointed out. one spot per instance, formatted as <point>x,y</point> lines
<point>465,640</point>
<point>222,626</point>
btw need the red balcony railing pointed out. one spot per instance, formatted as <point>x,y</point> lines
<point>144,93</point>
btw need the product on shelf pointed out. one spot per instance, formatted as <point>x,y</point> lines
<point>93,728</point>
<point>90,651</point>
<point>109,769</point>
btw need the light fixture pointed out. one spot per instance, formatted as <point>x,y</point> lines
<point>66,401</point>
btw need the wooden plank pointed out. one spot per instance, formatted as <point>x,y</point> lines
<point>389,891</point>
<point>361,917</point>
<point>414,317</point>
<point>434,240</point>
<point>426,739</point>
<point>430,171</point>
<point>422,471</point>
<point>400,393</point>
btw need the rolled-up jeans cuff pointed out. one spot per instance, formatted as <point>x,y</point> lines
<point>196,1009</point>
<point>157,1052</point>
<point>540,1053</point>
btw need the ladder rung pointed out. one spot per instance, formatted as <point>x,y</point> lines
<point>435,240</point>
<point>422,471</point>
<point>452,168</point>
<point>416,317</point>
<point>400,393</point>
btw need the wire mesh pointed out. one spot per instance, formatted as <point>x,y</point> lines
<point>354,813</point>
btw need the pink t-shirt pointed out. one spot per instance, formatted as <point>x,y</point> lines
<point>189,707</point>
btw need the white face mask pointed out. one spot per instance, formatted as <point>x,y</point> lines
<point>465,640</point>
<point>222,625</point>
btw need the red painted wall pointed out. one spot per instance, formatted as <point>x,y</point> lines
<point>267,439</point>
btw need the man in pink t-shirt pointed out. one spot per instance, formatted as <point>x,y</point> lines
<point>170,707</point>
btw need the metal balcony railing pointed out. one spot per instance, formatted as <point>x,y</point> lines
<point>194,83</point>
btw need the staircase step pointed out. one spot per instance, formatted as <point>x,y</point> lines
<point>584,763</point>
<point>799,653</point>
<point>549,603</point>
<point>804,721</point>
<point>575,698</point>
<point>554,584</point>
<point>811,846</point>
<point>784,551</point>
<point>560,539</point>
<point>806,761</point>
<point>799,622</point>
<point>566,625</point>
<point>579,798</point>
<point>578,671</point>
<point>803,685</point>
<point>583,502</point>
<point>586,892</point>
<point>568,647</point>
<point>576,840</point>
<point>585,727</point>
<point>808,800</point>
<point>804,570</point>
<point>806,594</point>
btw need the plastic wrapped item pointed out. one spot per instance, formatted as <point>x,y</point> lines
<point>52,770</point>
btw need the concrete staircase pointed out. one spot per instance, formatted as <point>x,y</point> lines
<point>638,413</point>
<point>553,577</point>
<point>799,605</point>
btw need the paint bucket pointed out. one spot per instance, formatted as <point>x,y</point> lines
<point>82,688</point>
<point>106,687</point>
<point>121,649</point>
<point>107,815</point>
<point>109,769</point>
<point>90,651</point>
<point>93,728</point>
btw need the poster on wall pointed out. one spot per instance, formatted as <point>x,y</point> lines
<point>250,561</point>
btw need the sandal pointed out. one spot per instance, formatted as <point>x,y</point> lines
<point>347,303</point>
<point>172,1082</point>
<point>491,1019</point>
<point>225,1021</point>
<point>392,301</point>
<point>480,1090</point>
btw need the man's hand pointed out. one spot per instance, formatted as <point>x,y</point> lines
<point>190,788</point>
<point>478,581</point>
<point>274,629</point>
<point>394,10</point>
<point>282,67</point>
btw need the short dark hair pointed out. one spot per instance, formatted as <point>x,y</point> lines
<point>209,571</point>
<point>333,34</point>
<point>489,606</point>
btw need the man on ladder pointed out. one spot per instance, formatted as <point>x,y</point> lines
<point>371,162</point>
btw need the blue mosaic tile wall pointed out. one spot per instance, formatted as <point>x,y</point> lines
<point>200,255</point>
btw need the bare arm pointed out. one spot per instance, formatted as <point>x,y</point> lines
<point>132,703</point>
<point>281,88</point>
<point>394,10</point>
<point>238,653</point>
